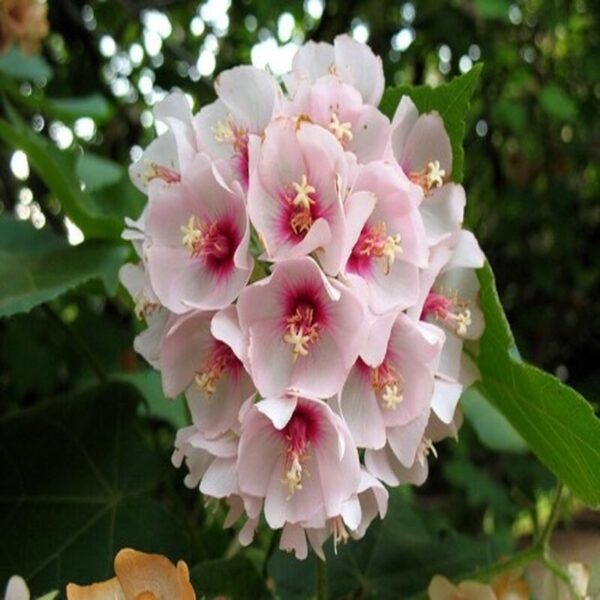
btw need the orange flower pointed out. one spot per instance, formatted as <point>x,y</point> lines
<point>140,576</point>
<point>23,22</point>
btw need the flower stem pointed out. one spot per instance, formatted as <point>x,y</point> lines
<point>539,550</point>
<point>322,593</point>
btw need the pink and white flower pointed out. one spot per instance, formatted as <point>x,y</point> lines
<point>294,199</point>
<point>173,151</point>
<point>350,61</point>
<point>304,331</point>
<point>299,456</point>
<point>199,256</point>
<point>392,382</point>
<point>248,98</point>
<point>194,360</point>
<point>386,244</point>
<point>422,148</point>
<point>337,106</point>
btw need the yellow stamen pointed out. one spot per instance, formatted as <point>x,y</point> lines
<point>293,477</point>
<point>303,191</point>
<point>391,247</point>
<point>391,397</point>
<point>434,174</point>
<point>192,234</point>
<point>340,130</point>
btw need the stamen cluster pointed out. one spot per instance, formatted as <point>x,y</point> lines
<point>307,284</point>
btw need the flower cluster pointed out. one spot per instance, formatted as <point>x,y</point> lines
<point>307,284</point>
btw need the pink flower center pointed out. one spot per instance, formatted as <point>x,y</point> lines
<point>220,360</point>
<point>214,243</point>
<point>374,243</point>
<point>451,311</point>
<point>302,329</point>
<point>301,431</point>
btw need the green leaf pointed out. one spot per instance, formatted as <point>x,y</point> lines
<point>21,66</point>
<point>491,426</point>
<point>57,170</point>
<point>234,578</point>
<point>396,558</point>
<point>76,478</point>
<point>94,106</point>
<point>98,172</point>
<point>450,100</point>
<point>557,103</point>
<point>37,266</point>
<point>557,423</point>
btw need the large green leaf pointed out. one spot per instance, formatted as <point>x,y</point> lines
<point>76,478</point>
<point>450,100</point>
<point>558,424</point>
<point>97,172</point>
<point>396,559</point>
<point>57,169</point>
<point>492,428</point>
<point>37,266</point>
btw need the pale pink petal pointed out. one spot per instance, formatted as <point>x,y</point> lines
<point>185,347</point>
<point>443,212</point>
<point>260,450</point>
<point>358,207</point>
<point>278,410</point>
<point>271,361</point>
<point>361,411</point>
<point>281,507</point>
<point>446,395</point>
<point>205,123</point>
<point>220,479</point>
<point>148,342</point>
<point>404,440</point>
<point>321,373</point>
<point>339,478</point>
<point>225,326</point>
<point>293,539</point>
<point>370,135</point>
<point>426,142</point>
<point>378,464</point>
<point>250,95</point>
<point>357,64</point>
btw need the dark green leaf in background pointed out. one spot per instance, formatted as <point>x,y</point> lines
<point>38,266</point>
<point>557,103</point>
<point>235,578</point>
<point>76,474</point>
<point>396,558</point>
